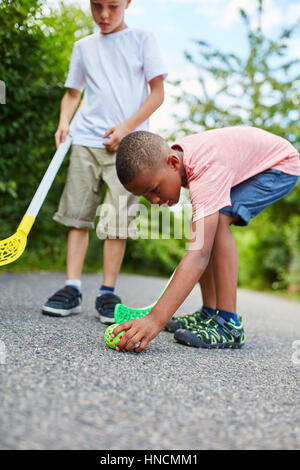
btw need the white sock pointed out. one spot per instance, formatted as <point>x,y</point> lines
<point>74,283</point>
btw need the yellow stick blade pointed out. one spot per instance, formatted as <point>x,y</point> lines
<point>11,248</point>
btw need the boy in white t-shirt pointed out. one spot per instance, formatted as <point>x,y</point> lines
<point>115,69</point>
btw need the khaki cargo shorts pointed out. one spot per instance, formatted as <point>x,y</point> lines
<point>89,168</point>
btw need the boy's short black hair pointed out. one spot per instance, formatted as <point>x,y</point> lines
<point>139,149</point>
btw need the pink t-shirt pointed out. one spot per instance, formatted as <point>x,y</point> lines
<point>219,159</point>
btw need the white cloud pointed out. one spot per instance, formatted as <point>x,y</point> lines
<point>162,119</point>
<point>83,4</point>
<point>231,12</point>
<point>183,1</point>
<point>271,19</point>
<point>225,13</point>
<point>292,13</point>
<point>294,48</point>
<point>272,16</point>
<point>168,28</point>
<point>135,11</point>
<point>210,9</point>
<point>177,66</point>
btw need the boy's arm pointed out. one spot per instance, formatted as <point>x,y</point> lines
<point>153,101</point>
<point>189,271</point>
<point>69,104</point>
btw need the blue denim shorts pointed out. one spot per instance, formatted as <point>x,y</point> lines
<point>252,196</point>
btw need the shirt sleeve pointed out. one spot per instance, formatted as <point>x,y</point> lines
<point>76,76</point>
<point>210,191</point>
<point>153,64</point>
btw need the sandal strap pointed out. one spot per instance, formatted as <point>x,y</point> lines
<point>227,326</point>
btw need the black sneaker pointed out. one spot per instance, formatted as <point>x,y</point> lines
<point>64,302</point>
<point>105,306</point>
<point>215,333</point>
<point>187,321</point>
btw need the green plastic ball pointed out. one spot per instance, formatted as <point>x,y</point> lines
<point>112,342</point>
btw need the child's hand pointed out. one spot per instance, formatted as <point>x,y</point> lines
<point>117,133</point>
<point>142,330</point>
<point>61,133</point>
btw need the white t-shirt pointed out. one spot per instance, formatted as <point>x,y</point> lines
<point>114,70</point>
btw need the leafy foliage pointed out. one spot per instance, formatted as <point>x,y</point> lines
<point>33,65</point>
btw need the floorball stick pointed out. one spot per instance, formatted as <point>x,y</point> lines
<point>11,248</point>
<point>123,313</point>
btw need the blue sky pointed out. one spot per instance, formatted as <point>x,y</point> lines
<point>176,23</point>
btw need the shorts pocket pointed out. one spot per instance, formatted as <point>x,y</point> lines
<point>265,180</point>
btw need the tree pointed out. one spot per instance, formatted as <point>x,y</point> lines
<point>34,57</point>
<point>260,90</point>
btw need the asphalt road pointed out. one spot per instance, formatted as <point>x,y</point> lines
<point>62,388</point>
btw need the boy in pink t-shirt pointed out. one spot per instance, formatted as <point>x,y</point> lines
<point>232,175</point>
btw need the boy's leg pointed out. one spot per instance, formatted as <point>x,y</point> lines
<point>113,254</point>
<point>77,210</point>
<point>67,301</point>
<point>209,300</point>
<point>208,286</point>
<point>220,332</point>
<point>225,265</point>
<point>78,240</point>
<point>227,293</point>
<point>248,199</point>
<point>106,300</point>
